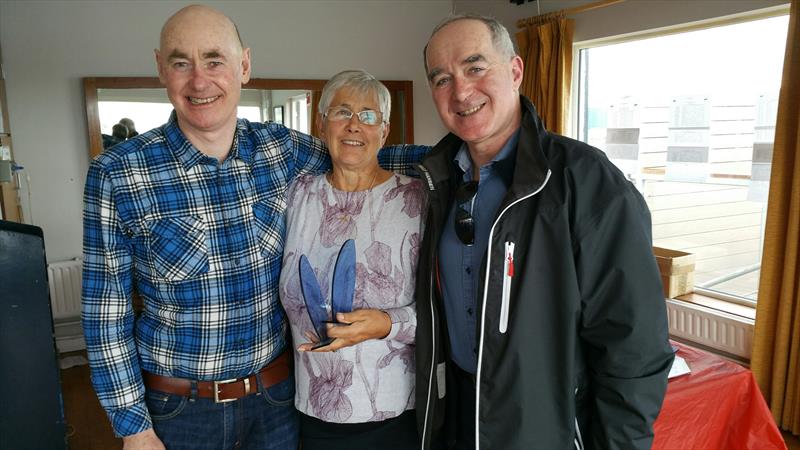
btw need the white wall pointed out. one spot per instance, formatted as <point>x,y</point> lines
<point>47,46</point>
<point>621,18</point>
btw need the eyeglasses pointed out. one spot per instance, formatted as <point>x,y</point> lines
<point>339,113</point>
<point>464,224</point>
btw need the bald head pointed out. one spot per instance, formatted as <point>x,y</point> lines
<point>198,15</point>
<point>202,64</point>
<point>500,38</point>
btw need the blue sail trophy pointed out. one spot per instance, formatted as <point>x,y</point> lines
<point>342,291</point>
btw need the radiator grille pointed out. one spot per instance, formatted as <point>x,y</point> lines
<point>65,288</point>
<point>714,329</point>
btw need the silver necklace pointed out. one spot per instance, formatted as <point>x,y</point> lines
<point>369,189</point>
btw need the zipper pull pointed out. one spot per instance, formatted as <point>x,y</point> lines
<point>510,258</point>
<point>508,274</point>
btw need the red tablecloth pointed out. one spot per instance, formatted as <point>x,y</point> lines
<point>716,406</point>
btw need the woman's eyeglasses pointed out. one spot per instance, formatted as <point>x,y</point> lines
<point>339,113</point>
<point>464,223</point>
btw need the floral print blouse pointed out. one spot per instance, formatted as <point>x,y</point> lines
<point>373,380</point>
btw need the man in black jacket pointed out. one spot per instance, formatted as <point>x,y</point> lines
<point>541,319</point>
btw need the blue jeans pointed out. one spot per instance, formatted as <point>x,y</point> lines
<point>266,420</point>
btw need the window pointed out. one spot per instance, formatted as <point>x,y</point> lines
<point>689,118</point>
<point>149,115</point>
<point>299,106</point>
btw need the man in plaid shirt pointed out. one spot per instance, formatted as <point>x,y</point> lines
<point>191,214</point>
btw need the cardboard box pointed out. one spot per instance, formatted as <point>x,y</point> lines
<point>676,285</point>
<point>677,271</point>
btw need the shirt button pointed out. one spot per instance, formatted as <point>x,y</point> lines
<point>237,261</point>
<point>468,270</point>
<point>469,311</point>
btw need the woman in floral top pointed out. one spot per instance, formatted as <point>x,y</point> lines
<point>358,391</point>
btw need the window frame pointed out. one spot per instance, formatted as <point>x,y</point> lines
<point>573,119</point>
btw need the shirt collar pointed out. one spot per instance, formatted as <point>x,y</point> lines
<point>464,162</point>
<point>189,156</point>
<point>242,147</point>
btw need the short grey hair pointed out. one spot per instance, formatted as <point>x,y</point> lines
<point>501,40</point>
<point>360,81</point>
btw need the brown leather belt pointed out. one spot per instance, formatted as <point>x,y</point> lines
<point>225,390</point>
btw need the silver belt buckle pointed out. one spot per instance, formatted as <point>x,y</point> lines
<point>216,389</point>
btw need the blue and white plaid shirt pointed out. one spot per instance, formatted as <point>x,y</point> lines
<point>201,240</point>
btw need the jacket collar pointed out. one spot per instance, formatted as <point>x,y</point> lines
<point>530,165</point>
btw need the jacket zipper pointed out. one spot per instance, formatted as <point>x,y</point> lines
<point>578,438</point>
<point>508,274</point>
<point>431,187</point>
<point>483,308</point>
<point>433,367</point>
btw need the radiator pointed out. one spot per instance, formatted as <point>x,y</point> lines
<point>711,328</point>
<point>65,288</point>
<point>64,279</point>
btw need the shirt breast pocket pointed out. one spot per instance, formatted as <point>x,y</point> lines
<point>270,219</point>
<point>178,248</point>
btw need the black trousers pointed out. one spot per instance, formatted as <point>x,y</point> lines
<point>460,421</point>
<point>398,433</point>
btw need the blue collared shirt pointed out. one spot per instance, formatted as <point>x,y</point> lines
<point>201,240</point>
<point>459,265</point>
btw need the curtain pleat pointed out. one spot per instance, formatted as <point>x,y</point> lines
<point>546,51</point>
<point>776,345</point>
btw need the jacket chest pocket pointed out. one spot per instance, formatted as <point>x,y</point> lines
<point>178,247</point>
<point>270,220</point>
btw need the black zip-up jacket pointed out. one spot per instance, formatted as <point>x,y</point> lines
<point>573,350</point>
